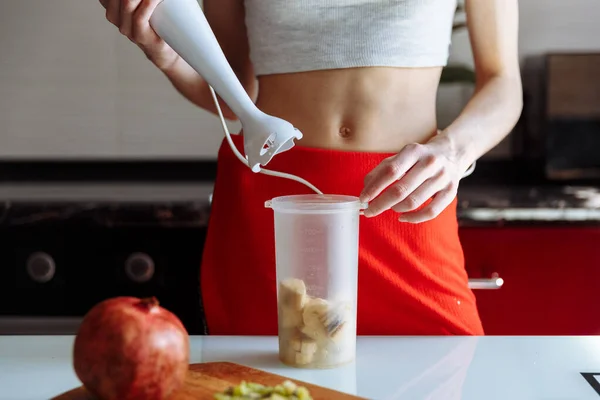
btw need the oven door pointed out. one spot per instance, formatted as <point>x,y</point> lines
<point>53,272</point>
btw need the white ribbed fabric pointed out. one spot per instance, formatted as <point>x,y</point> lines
<point>303,35</point>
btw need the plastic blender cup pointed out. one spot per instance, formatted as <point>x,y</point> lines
<point>316,246</point>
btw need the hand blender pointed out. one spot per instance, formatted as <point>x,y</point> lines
<point>183,26</point>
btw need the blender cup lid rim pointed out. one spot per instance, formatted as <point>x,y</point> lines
<point>315,203</point>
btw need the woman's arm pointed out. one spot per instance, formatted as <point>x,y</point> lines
<point>226,18</point>
<point>497,102</point>
<point>433,170</point>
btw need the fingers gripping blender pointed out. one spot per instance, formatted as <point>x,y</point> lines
<point>316,236</point>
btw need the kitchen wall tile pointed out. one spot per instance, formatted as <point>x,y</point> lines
<point>57,80</point>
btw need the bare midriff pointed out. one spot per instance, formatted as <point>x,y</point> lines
<point>356,109</point>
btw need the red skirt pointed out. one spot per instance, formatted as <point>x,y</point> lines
<point>411,279</point>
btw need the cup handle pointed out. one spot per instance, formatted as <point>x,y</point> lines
<point>363,207</point>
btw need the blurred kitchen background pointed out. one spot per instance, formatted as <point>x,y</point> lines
<point>106,174</point>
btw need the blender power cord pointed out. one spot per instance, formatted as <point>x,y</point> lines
<point>243,160</point>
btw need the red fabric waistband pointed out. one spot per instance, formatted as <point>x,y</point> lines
<point>331,171</point>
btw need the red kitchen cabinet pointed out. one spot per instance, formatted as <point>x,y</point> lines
<point>551,279</point>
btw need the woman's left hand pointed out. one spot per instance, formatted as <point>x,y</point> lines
<point>416,174</point>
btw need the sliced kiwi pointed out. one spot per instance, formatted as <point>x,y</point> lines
<point>287,390</point>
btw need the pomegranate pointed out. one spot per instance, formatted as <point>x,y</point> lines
<point>129,349</point>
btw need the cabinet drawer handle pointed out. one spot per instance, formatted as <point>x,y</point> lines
<point>486,284</point>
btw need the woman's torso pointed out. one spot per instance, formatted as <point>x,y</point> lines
<point>366,109</point>
<point>356,75</point>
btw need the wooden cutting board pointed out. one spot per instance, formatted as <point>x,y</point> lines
<point>206,379</point>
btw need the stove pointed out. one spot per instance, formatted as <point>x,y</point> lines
<point>66,247</point>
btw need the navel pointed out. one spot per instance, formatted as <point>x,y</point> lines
<point>345,132</point>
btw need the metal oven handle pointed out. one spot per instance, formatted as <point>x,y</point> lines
<point>486,284</point>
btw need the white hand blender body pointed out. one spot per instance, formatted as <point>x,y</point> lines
<point>183,26</point>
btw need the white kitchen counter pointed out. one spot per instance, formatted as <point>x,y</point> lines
<point>486,368</point>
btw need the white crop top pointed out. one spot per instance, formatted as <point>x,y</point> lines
<point>302,35</point>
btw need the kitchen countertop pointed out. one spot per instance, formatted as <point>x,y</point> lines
<point>106,204</point>
<point>413,368</point>
<point>188,203</point>
<point>528,204</point>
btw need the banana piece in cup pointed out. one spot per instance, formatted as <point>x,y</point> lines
<point>289,319</point>
<point>292,293</point>
<point>292,298</point>
<point>303,344</point>
<point>336,320</point>
<point>300,350</point>
<point>322,321</point>
<point>315,311</point>
<point>303,359</point>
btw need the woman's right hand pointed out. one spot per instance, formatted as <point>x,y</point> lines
<point>132,17</point>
